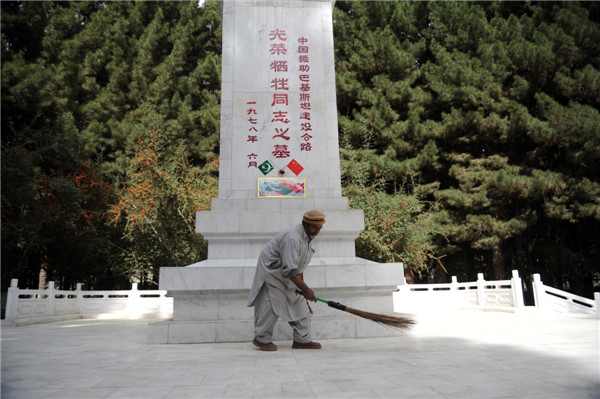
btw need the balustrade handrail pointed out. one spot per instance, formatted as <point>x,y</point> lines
<point>497,294</point>
<point>553,299</point>
<point>30,306</point>
<point>472,294</point>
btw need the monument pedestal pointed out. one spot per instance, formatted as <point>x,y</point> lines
<point>210,300</point>
<point>210,297</point>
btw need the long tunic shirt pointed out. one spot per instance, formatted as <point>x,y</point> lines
<point>285,256</point>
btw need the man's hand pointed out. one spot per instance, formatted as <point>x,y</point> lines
<point>308,294</point>
<point>306,291</point>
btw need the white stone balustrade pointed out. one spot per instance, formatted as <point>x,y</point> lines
<point>481,294</point>
<point>552,299</point>
<point>26,306</point>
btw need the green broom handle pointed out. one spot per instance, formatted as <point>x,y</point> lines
<point>331,304</point>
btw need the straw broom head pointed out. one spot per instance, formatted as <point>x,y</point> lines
<point>392,321</point>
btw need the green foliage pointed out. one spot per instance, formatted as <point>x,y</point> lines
<point>76,81</point>
<point>157,204</point>
<point>99,62</point>
<point>494,109</point>
<point>54,221</point>
<point>397,228</point>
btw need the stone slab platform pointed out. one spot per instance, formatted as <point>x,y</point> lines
<point>457,355</point>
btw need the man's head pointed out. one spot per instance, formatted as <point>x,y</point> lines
<point>313,222</point>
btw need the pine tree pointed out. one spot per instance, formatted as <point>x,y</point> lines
<point>77,80</point>
<point>484,106</point>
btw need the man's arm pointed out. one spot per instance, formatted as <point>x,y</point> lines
<point>306,291</point>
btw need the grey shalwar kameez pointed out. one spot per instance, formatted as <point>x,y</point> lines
<point>273,294</point>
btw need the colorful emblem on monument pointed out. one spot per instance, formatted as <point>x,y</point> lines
<point>295,167</point>
<point>281,187</point>
<point>266,167</point>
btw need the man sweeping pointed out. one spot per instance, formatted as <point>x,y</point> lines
<point>279,273</point>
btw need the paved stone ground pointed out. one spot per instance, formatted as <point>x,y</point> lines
<point>460,355</point>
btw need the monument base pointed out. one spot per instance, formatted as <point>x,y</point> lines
<point>210,300</point>
<point>241,227</point>
<point>325,322</point>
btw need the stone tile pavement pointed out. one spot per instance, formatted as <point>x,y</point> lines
<point>455,355</point>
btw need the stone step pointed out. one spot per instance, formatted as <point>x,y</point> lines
<point>322,272</point>
<point>212,331</point>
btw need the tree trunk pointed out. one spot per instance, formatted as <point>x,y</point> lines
<point>43,277</point>
<point>498,263</point>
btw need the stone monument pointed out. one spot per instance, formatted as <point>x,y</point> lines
<point>279,157</point>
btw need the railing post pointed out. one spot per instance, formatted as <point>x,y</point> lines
<point>454,293</point>
<point>134,302</point>
<point>517,289</point>
<point>78,299</point>
<point>12,298</point>
<point>401,297</point>
<point>50,298</point>
<point>538,291</point>
<point>480,289</point>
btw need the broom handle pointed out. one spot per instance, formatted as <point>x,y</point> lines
<point>331,304</point>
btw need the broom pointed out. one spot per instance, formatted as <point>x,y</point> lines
<point>391,321</point>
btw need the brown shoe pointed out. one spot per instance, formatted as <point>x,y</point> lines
<point>308,345</point>
<point>270,347</point>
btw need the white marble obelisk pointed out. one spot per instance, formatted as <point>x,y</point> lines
<point>278,129</point>
<point>279,157</point>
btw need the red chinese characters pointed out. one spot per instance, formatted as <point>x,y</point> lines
<point>280,126</point>
<point>304,96</point>
<point>280,85</point>
<point>252,131</point>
